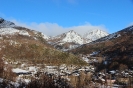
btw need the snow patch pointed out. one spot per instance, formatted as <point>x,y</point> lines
<point>23,32</point>
<point>45,36</point>
<point>85,59</point>
<point>114,35</point>
<point>18,70</point>
<point>32,69</point>
<point>9,31</point>
<point>12,31</point>
<point>1,80</point>
<point>94,53</point>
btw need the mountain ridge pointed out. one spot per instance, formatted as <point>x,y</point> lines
<point>20,43</point>
<point>67,40</point>
<point>95,34</point>
<point>114,49</point>
<point>73,39</point>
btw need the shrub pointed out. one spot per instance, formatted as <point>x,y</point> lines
<point>6,71</point>
<point>48,82</point>
<point>123,67</point>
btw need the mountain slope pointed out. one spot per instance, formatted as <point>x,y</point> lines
<point>66,41</point>
<point>20,44</point>
<point>71,39</point>
<point>70,36</point>
<point>116,49</point>
<point>95,34</point>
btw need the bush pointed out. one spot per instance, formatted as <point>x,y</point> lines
<point>44,82</point>
<point>6,71</point>
<point>123,67</point>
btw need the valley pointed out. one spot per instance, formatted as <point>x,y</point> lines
<point>29,58</point>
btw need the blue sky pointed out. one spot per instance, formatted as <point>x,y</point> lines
<point>53,17</point>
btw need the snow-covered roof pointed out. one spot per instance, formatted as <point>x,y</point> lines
<point>18,70</point>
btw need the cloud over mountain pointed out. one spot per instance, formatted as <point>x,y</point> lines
<point>53,29</point>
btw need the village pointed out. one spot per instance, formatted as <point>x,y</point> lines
<point>85,76</point>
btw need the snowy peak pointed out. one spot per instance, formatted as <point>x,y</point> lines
<point>95,34</point>
<point>70,36</point>
<point>66,41</point>
<point>5,24</point>
<point>71,32</point>
<point>90,36</point>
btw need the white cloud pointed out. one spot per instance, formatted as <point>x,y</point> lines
<point>82,29</point>
<point>53,29</point>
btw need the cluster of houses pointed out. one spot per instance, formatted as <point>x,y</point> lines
<point>76,75</point>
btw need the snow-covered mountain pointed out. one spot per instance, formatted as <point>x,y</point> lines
<point>68,40</point>
<point>94,34</point>
<point>9,28</point>
<point>70,36</point>
<point>73,36</point>
<point>114,48</point>
<point>72,39</point>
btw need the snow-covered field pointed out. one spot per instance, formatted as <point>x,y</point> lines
<point>9,31</point>
<point>12,31</point>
